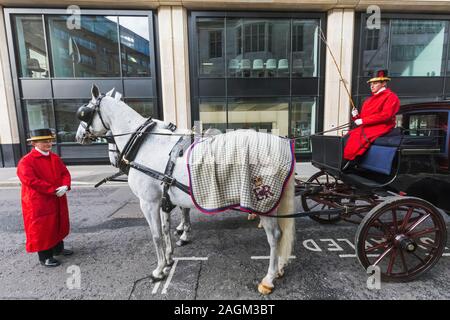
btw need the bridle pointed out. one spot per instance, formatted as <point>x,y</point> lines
<point>86,114</point>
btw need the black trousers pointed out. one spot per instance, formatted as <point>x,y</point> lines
<point>47,254</point>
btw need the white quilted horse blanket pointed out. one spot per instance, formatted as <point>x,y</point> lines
<point>243,169</point>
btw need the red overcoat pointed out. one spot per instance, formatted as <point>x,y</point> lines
<point>378,116</point>
<point>45,216</point>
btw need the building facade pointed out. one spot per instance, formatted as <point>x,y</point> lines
<point>231,64</point>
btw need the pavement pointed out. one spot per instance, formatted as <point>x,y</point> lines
<point>91,174</point>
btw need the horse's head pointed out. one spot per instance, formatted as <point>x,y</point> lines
<point>92,123</point>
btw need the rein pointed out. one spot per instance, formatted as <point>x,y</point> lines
<point>343,126</point>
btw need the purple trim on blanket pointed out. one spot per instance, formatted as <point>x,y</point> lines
<point>237,206</point>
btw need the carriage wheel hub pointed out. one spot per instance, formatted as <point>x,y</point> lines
<point>405,243</point>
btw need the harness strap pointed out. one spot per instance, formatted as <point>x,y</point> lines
<point>110,178</point>
<point>159,176</point>
<point>132,146</point>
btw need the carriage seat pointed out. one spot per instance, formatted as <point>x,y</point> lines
<point>380,156</point>
<point>396,138</point>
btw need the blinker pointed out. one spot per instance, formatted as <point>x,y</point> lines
<point>85,113</point>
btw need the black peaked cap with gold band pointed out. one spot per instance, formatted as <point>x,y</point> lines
<point>379,75</point>
<point>41,134</point>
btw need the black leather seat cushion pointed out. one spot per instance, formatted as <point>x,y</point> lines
<point>395,138</point>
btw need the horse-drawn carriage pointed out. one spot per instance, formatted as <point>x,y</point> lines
<point>392,192</point>
<point>385,191</point>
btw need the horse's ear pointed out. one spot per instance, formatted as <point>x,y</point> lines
<point>95,92</point>
<point>118,96</point>
<point>109,93</point>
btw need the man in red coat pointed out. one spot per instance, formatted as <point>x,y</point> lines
<point>45,180</point>
<point>377,117</point>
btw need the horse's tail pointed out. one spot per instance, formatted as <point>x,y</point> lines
<point>287,225</point>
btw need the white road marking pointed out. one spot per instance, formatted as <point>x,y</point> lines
<point>172,271</point>
<point>155,288</point>
<point>267,257</point>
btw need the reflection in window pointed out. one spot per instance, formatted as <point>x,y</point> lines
<point>305,48</point>
<point>375,48</point>
<point>39,114</point>
<point>431,125</point>
<point>417,47</point>
<point>144,107</point>
<point>303,119</point>
<point>66,120</point>
<point>213,114</point>
<point>259,114</point>
<point>210,44</point>
<point>30,41</point>
<point>135,46</point>
<point>258,47</point>
<point>91,51</point>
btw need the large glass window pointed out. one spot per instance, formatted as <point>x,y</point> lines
<point>258,71</point>
<point>134,46</point>
<point>30,41</point>
<point>305,48</point>
<point>145,107</point>
<point>417,47</point>
<point>258,47</point>
<point>406,47</point>
<point>210,33</point>
<point>303,122</point>
<point>39,114</point>
<point>115,48</point>
<point>271,114</point>
<point>213,114</point>
<point>66,120</point>
<point>91,51</point>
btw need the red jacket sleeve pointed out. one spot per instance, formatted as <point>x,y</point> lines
<point>27,177</point>
<point>390,108</point>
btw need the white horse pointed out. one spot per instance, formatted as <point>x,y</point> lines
<point>184,228</point>
<point>112,114</point>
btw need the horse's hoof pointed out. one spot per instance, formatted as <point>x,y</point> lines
<point>178,232</point>
<point>181,243</point>
<point>166,270</point>
<point>260,225</point>
<point>263,289</point>
<point>170,263</point>
<point>280,274</point>
<point>251,216</point>
<point>154,279</point>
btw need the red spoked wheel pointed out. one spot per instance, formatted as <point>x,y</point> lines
<point>403,236</point>
<point>325,198</point>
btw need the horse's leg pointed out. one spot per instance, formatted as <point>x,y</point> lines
<point>273,235</point>
<point>151,213</point>
<point>179,229</point>
<point>186,227</point>
<point>165,224</point>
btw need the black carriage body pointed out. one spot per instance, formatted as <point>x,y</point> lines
<point>413,160</point>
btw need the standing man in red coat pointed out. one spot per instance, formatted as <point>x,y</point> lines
<point>45,181</point>
<point>377,117</point>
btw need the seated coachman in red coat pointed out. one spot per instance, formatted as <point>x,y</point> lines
<point>45,181</point>
<point>376,119</point>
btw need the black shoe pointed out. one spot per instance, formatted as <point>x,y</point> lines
<point>50,262</point>
<point>64,252</point>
